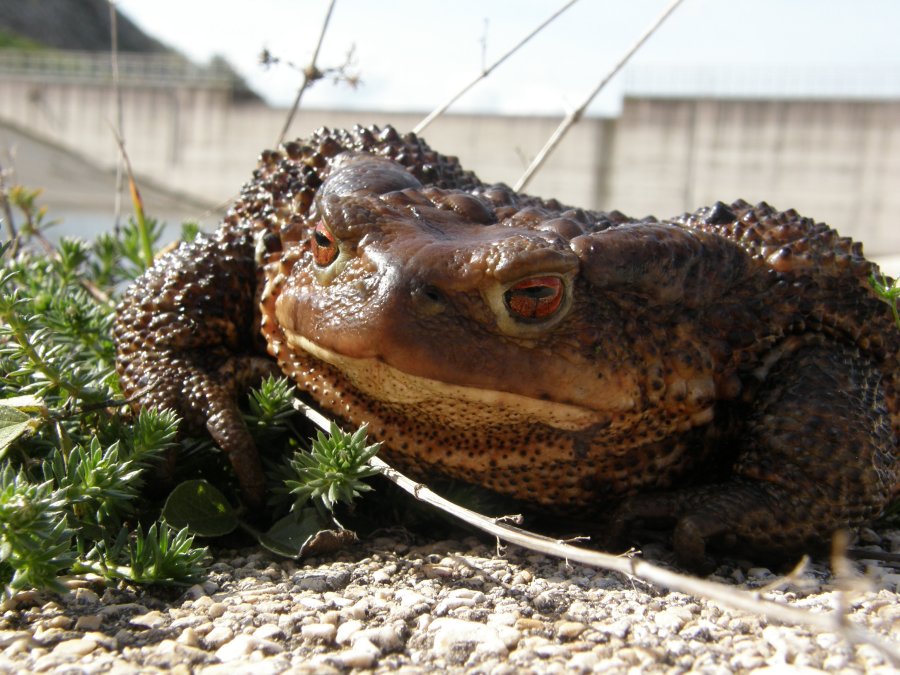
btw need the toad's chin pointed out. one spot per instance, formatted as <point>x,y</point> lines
<point>455,405</point>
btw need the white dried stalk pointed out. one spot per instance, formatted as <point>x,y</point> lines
<point>310,74</point>
<point>836,621</point>
<point>576,114</point>
<point>437,112</point>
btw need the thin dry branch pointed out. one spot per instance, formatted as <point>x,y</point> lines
<point>119,130</point>
<point>437,112</point>
<point>310,74</point>
<point>835,621</point>
<point>573,117</point>
<point>7,212</point>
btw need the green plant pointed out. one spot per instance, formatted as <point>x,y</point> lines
<point>10,41</point>
<point>334,468</point>
<point>73,455</point>
<point>889,291</point>
<point>330,472</point>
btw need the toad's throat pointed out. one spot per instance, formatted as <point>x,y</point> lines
<point>455,405</point>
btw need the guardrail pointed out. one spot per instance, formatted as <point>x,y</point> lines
<point>97,67</point>
<point>764,81</point>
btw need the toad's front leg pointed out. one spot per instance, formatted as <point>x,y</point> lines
<point>184,340</point>
<point>818,455</point>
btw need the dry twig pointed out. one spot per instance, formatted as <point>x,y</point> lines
<point>7,212</point>
<point>835,621</point>
<point>310,74</point>
<point>576,114</point>
<point>437,112</point>
<point>114,61</point>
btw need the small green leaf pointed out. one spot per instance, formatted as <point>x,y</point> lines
<point>14,423</point>
<point>25,404</point>
<point>201,508</point>
<point>288,536</point>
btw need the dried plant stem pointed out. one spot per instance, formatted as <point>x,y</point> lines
<point>831,622</point>
<point>8,214</point>
<point>114,62</point>
<point>437,112</point>
<point>573,117</point>
<point>137,204</point>
<point>310,74</point>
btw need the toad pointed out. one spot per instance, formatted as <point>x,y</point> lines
<point>728,373</point>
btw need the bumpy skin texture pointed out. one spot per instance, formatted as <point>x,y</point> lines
<point>729,372</point>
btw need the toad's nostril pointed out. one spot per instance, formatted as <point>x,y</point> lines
<point>427,299</point>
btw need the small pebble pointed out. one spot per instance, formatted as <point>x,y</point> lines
<point>583,662</point>
<point>569,630</point>
<point>358,610</point>
<point>383,637</point>
<point>448,633</point>
<point>869,536</point>
<point>408,598</point>
<point>76,647</point>
<point>154,619</point>
<point>195,592</point>
<point>88,622</point>
<point>268,631</point>
<point>237,648</point>
<point>671,620</point>
<point>218,636</point>
<point>529,624</point>
<point>85,596</point>
<point>23,645</point>
<point>8,637</point>
<point>319,632</point>
<point>358,656</point>
<point>347,630</point>
<point>189,637</point>
<point>215,610</point>
<point>61,621</point>
<point>243,645</point>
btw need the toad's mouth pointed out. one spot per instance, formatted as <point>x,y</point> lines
<point>455,405</point>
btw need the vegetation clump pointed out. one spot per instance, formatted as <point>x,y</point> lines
<point>75,457</point>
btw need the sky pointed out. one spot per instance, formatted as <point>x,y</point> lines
<point>413,54</point>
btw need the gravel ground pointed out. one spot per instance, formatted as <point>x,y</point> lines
<point>453,606</point>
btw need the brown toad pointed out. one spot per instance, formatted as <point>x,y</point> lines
<point>730,372</point>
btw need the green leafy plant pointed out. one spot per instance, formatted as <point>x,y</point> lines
<point>334,468</point>
<point>889,291</point>
<point>271,412</point>
<point>329,473</point>
<point>161,556</point>
<point>74,457</point>
<point>35,540</point>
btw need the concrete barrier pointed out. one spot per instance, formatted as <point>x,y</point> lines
<point>836,161</point>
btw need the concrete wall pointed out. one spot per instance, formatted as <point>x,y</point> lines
<point>81,195</point>
<point>197,140</point>
<point>835,161</point>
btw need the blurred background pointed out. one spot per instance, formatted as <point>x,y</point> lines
<point>794,102</point>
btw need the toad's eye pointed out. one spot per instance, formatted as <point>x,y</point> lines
<point>324,247</point>
<point>535,299</point>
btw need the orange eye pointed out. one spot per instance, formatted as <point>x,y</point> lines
<point>535,299</point>
<point>324,247</point>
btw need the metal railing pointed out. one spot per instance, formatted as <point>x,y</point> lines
<point>764,81</point>
<point>96,67</point>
